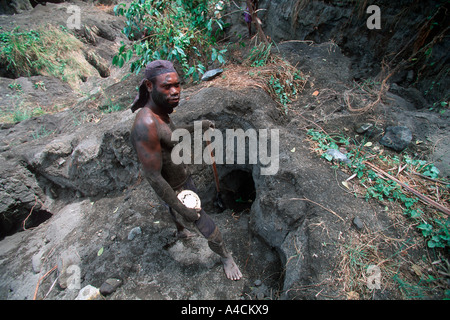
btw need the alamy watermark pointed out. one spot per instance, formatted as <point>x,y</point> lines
<point>374,279</point>
<point>374,20</point>
<point>74,278</point>
<point>235,147</point>
<point>74,20</point>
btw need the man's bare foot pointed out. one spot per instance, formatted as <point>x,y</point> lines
<point>185,234</point>
<point>231,269</point>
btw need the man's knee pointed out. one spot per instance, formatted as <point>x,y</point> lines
<point>205,225</point>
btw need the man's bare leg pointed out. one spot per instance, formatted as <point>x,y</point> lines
<point>216,244</point>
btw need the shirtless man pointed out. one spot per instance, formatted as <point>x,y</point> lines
<point>159,94</point>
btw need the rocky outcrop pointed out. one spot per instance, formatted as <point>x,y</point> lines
<point>408,30</point>
<point>14,6</point>
<point>19,193</point>
<point>92,161</point>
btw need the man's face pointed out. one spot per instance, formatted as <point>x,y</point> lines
<point>166,91</point>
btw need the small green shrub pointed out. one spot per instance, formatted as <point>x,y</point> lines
<point>46,51</point>
<point>284,81</point>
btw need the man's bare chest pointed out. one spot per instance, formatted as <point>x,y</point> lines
<point>165,136</point>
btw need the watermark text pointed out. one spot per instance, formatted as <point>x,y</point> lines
<point>74,20</point>
<point>235,147</point>
<point>374,20</point>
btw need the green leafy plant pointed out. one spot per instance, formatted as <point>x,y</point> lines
<point>438,235</point>
<point>440,106</point>
<point>40,85</point>
<point>16,87</point>
<point>174,30</point>
<point>325,141</point>
<point>280,90</point>
<point>285,86</point>
<point>259,55</point>
<point>435,230</point>
<point>422,166</point>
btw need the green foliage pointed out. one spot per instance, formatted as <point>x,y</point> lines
<point>440,106</point>
<point>179,30</point>
<point>284,86</point>
<point>283,81</point>
<point>285,90</point>
<point>21,113</point>
<point>40,85</point>
<point>42,132</point>
<point>16,87</point>
<point>423,167</point>
<point>438,235</point>
<point>259,55</point>
<point>325,141</point>
<point>112,107</point>
<point>18,48</point>
<point>436,231</point>
<point>421,289</point>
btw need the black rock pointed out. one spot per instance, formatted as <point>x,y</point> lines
<point>211,74</point>
<point>109,286</point>
<point>358,223</point>
<point>397,138</point>
<point>363,127</point>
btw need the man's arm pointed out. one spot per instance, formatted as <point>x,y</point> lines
<point>145,140</point>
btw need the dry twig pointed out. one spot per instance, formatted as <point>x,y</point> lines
<point>408,188</point>
<point>318,204</point>
<point>31,211</point>
<point>42,278</point>
<point>383,88</point>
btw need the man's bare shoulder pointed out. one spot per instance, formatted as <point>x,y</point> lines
<point>145,116</point>
<point>145,126</point>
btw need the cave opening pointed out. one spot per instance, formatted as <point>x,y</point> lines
<point>21,222</point>
<point>237,190</point>
<point>34,3</point>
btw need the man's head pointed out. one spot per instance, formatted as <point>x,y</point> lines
<point>161,84</point>
<point>164,91</point>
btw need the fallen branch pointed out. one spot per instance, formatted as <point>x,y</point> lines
<point>431,179</point>
<point>329,210</point>
<point>42,278</point>
<point>51,288</point>
<point>408,188</point>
